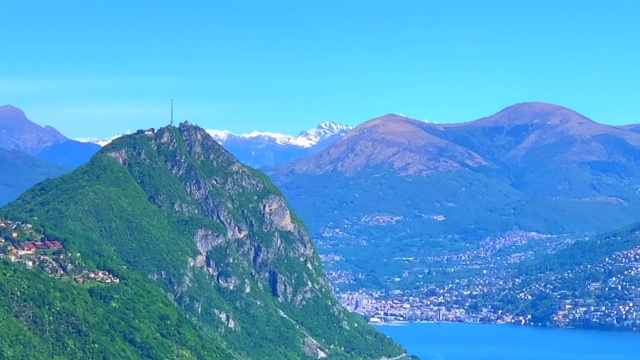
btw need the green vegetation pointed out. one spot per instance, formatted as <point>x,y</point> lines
<point>46,318</point>
<point>20,171</point>
<point>211,262</point>
<point>586,252</point>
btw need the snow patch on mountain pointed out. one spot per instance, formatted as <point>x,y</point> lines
<point>220,135</point>
<point>102,142</point>
<point>305,139</point>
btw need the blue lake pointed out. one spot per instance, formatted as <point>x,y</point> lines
<point>444,341</point>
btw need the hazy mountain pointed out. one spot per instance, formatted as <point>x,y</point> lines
<point>212,262</point>
<point>408,187</point>
<point>391,143</point>
<point>527,131</point>
<point>19,133</point>
<point>531,140</point>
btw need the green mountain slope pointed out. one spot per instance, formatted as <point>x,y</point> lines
<point>195,236</point>
<point>21,171</point>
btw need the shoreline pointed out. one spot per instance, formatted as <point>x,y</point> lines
<point>535,326</point>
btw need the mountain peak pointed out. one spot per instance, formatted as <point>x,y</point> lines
<point>535,113</point>
<point>332,126</point>
<point>324,131</point>
<point>535,106</point>
<point>10,111</point>
<point>388,118</point>
<point>17,132</point>
<point>391,141</point>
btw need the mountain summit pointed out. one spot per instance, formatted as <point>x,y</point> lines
<point>392,142</point>
<point>20,133</point>
<point>532,130</point>
<point>211,241</point>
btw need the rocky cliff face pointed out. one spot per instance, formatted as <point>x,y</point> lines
<point>250,209</point>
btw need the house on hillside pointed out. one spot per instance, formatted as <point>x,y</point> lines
<point>28,246</point>
<point>54,244</point>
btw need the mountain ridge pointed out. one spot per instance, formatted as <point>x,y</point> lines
<point>539,125</point>
<point>391,141</point>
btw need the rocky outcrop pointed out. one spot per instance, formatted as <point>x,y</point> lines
<point>277,214</point>
<point>119,155</point>
<point>226,319</point>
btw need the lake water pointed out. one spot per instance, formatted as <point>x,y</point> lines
<point>443,341</point>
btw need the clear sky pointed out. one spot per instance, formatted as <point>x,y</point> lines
<point>101,67</point>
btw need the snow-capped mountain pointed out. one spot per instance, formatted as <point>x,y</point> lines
<point>259,149</point>
<point>306,139</point>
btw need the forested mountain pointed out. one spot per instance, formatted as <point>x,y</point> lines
<point>210,261</point>
<point>20,171</point>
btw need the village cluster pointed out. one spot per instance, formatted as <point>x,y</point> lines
<point>21,243</point>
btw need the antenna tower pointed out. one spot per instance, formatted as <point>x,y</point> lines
<point>171,112</point>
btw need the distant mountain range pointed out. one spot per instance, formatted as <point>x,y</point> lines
<point>49,153</point>
<point>259,149</point>
<point>411,187</point>
<point>30,153</point>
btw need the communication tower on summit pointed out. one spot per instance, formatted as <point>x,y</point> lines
<point>171,112</point>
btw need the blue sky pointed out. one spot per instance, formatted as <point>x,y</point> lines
<point>101,67</point>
